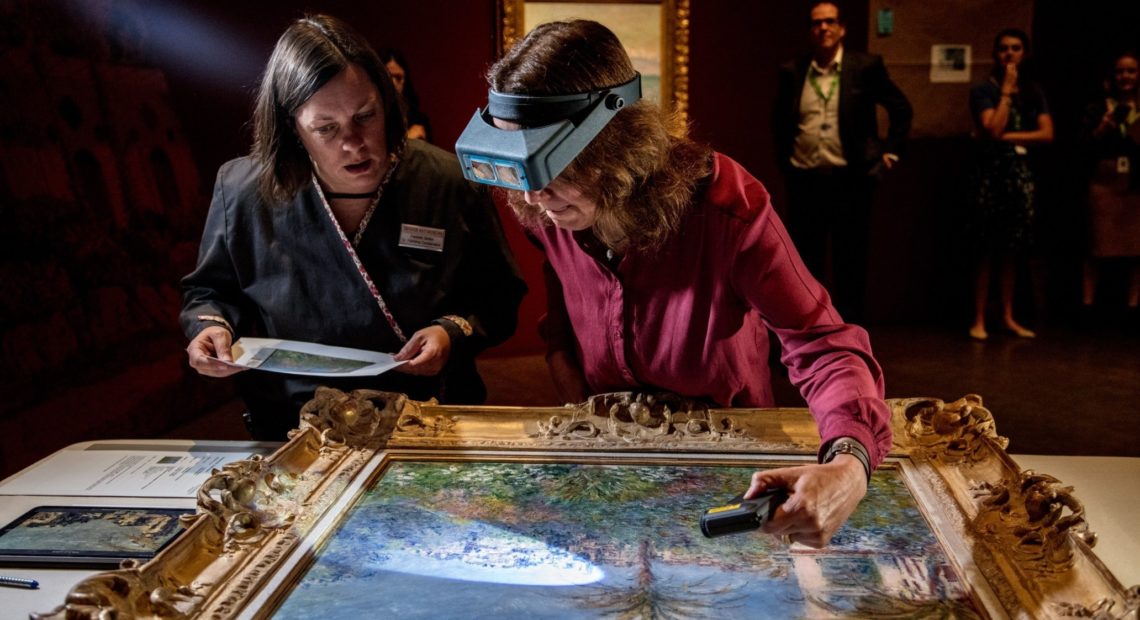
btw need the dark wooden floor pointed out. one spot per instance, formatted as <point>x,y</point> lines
<point>1070,391</point>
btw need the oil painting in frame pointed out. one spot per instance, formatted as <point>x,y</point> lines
<point>596,537</point>
<point>412,509</point>
<point>655,33</point>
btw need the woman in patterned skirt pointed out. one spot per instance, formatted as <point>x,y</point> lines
<point>1010,116</point>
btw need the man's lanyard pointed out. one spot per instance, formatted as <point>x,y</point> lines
<point>819,91</point>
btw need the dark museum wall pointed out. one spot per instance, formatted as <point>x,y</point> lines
<point>117,113</point>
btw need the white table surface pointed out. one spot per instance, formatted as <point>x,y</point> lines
<point>1106,485</point>
<point>55,583</point>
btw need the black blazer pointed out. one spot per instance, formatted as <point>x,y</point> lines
<point>863,83</point>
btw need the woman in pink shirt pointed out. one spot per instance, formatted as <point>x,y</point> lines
<point>667,266</point>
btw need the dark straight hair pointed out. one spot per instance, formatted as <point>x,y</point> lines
<point>1110,81</point>
<point>838,4</point>
<point>309,54</point>
<point>411,97</point>
<point>1019,34</point>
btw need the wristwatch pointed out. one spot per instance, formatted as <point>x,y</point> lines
<point>460,322</point>
<point>848,445</point>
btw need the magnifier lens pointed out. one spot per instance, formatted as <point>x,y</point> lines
<point>508,175</point>
<point>483,170</point>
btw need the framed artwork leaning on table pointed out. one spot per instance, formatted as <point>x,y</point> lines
<point>383,506</point>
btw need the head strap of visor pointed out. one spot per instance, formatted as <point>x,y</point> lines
<point>535,110</point>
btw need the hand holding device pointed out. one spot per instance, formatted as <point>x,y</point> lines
<point>742,515</point>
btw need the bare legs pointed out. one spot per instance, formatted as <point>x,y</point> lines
<point>1091,275</point>
<point>1088,283</point>
<point>1008,279</point>
<point>981,296</point>
<point>981,293</point>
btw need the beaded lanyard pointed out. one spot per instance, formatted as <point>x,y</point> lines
<point>350,246</point>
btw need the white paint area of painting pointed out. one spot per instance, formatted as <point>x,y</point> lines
<point>475,551</point>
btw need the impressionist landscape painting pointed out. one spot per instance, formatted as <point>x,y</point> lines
<point>561,540</point>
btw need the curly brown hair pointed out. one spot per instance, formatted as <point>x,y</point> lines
<point>641,170</point>
<point>309,54</point>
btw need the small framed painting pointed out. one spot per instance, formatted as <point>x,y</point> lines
<point>950,63</point>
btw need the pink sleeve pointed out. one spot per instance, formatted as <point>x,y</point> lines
<point>829,361</point>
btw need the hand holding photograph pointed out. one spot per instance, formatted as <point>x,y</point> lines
<point>309,358</point>
<point>593,511</point>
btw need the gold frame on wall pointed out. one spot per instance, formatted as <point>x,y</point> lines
<point>674,43</point>
<point>1019,538</point>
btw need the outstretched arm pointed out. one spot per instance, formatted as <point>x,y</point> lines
<point>832,365</point>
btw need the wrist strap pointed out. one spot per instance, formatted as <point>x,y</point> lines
<point>848,445</point>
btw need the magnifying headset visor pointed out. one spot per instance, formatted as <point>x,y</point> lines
<point>555,129</point>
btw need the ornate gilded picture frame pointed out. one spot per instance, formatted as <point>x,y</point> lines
<point>387,507</point>
<point>664,49</point>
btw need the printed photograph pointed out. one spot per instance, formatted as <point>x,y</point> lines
<point>282,360</point>
<point>57,532</point>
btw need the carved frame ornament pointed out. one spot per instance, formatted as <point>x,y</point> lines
<point>1021,536</point>
<point>675,19</point>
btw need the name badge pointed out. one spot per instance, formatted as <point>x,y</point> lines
<point>421,237</point>
<point>1123,165</point>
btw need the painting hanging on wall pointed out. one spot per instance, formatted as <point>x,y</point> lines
<point>380,506</point>
<point>655,34</point>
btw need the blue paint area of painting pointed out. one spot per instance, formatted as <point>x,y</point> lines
<point>508,540</point>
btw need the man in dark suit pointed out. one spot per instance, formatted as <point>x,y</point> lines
<point>828,144</point>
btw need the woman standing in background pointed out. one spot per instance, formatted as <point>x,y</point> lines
<point>1112,135</point>
<point>1010,116</point>
<point>419,127</point>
